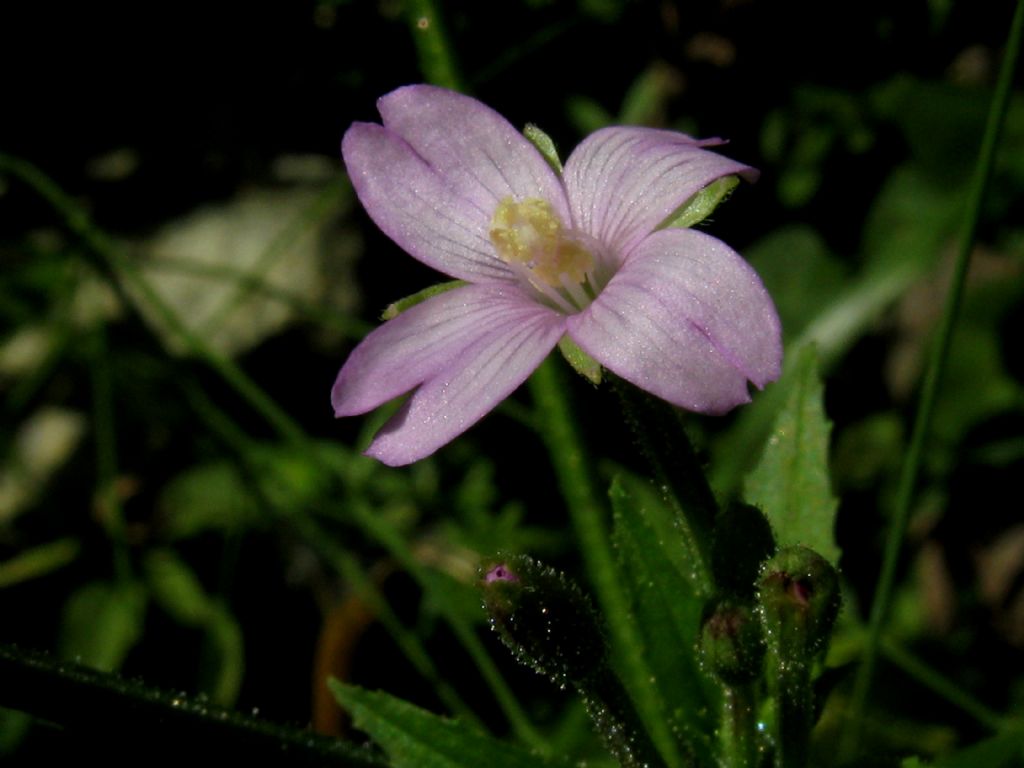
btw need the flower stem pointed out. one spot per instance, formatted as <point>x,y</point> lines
<point>116,264</point>
<point>588,513</point>
<point>941,685</point>
<point>106,451</point>
<point>936,364</point>
<point>794,714</point>
<point>342,560</point>
<point>739,748</point>
<point>436,59</point>
<point>657,428</point>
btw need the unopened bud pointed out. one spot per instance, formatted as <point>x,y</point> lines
<point>732,643</point>
<point>545,619</point>
<point>799,596</point>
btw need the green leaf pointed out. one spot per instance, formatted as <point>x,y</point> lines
<point>38,561</point>
<point>176,588</point>
<point>102,622</point>
<point>648,97</point>
<point>657,570</point>
<point>206,497</point>
<point>791,483</point>
<point>415,738</point>
<point>223,678</point>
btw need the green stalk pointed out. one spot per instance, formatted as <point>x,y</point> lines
<point>588,513</point>
<point>436,59</point>
<point>344,562</point>
<point>941,685</point>
<point>398,548</point>
<point>105,432</point>
<point>739,742</point>
<point>325,204</point>
<point>122,268</point>
<point>658,429</point>
<point>933,375</point>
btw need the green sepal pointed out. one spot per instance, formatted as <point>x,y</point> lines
<point>581,362</point>
<point>544,145</point>
<point>395,309</point>
<point>702,204</point>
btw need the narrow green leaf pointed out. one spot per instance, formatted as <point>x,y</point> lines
<point>224,678</point>
<point>101,623</point>
<point>177,589</point>
<point>38,561</point>
<point>667,607</point>
<point>791,483</point>
<point>415,738</point>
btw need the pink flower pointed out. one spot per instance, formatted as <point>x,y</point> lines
<point>674,311</point>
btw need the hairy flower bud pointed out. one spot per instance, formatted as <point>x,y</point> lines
<point>732,644</point>
<point>545,619</point>
<point>799,596</point>
<point>551,625</point>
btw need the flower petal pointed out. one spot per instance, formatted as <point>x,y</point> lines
<point>686,319</point>
<point>623,182</point>
<point>482,157</point>
<point>433,174</point>
<point>469,348</point>
<point>413,205</point>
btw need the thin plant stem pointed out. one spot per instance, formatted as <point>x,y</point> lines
<point>343,561</point>
<point>933,375</point>
<point>121,267</point>
<point>739,727</point>
<point>325,203</point>
<point>588,514</point>
<point>658,430</point>
<point>289,430</point>
<point>351,327</point>
<point>437,61</point>
<point>399,549</point>
<point>941,685</point>
<point>105,432</point>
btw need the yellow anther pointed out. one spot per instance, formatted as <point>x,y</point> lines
<point>529,233</point>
